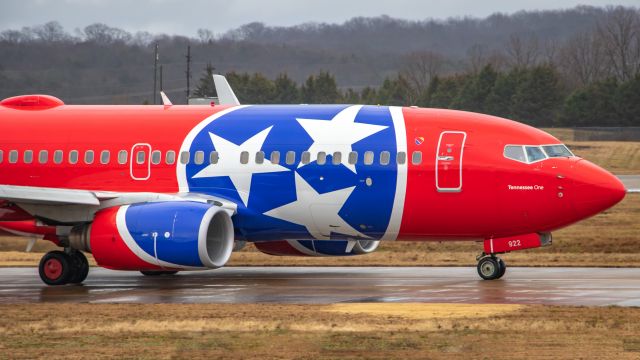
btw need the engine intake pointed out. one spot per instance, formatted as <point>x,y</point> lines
<point>164,235</point>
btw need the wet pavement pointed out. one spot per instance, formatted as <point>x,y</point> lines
<point>315,285</point>
<point>631,182</point>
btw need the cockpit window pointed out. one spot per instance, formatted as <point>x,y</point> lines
<point>557,151</point>
<point>515,152</point>
<point>534,153</point>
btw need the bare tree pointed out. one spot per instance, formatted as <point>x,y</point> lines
<point>522,53</point>
<point>420,67</point>
<point>582,59</point>
<point>478,57</point>
<point>620,34</point>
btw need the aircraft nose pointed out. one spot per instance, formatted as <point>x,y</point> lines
<point>596,189</point>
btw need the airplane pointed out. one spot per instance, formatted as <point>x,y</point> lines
<point>168,188</point>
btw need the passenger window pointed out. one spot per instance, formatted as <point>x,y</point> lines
<point>73,157</point>
<point>401,158</point>
<point>184,157</point>
<point>336,159</point>
<point>353,157</point>
<point>123,156</point>
<point>244,157</point>
<point>1,156</point>
<point>28,156</point>
<point>260,157</point>
<point>13,156</point>
<point>156,157</point>
<point>385,157</point>
<point>368,157</point>
<point>198,158</point>
<point>105,156</point>
<point>214,157</point>
<point>416,158</point>
<point>58,156</point>
<point>141,157</point>
<point>275,157</point>
<point>534,154</point>
<point>43,157</point>
<point>515,152</point>
<point>291,157</point>
<point>305,158</point>
<point>170,157</point>
<point>88,157</point>
<point>322,158</point>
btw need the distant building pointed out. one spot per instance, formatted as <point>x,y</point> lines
<point>203,101</point>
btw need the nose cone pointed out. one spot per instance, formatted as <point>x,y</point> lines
<point>595,189</point>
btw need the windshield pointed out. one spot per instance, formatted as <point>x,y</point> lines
<point>557,151</point>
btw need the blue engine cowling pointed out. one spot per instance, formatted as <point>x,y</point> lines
<point>317,247</point>
<point>174,234</point>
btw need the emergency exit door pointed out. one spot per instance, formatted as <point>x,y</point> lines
<point>449,161</point>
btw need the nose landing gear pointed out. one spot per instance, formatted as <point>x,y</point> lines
<point>491,267</point>
<point>63,267</point>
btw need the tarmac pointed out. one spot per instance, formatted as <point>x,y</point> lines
<point>325,285</point>
<point>631,182</point>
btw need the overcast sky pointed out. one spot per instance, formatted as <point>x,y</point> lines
<point>186,17</point>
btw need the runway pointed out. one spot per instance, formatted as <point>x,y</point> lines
<point>631,182</point>
<point>314,285</point>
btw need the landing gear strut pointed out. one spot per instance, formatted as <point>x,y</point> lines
<point>491,267</point>
<point>63,267</point>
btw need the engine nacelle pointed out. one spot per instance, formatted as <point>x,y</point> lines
<point>318,247</point>
<point>181,235</point>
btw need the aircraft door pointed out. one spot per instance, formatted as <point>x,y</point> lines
<point>140,162</point>
<point>449,161</point>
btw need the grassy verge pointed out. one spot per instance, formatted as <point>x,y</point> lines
<point>381,331</point>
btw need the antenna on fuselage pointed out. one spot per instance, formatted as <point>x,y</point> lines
<point>165,99</point>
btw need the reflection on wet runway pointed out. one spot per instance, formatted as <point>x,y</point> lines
<point>551,286</point>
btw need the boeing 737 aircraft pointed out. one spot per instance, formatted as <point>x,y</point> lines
<point>168,188</point>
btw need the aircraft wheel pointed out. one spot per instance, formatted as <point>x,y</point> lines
<point>56,268</point>
<point>503,267</point>
<point>81,269</point>
<point>489,268</point>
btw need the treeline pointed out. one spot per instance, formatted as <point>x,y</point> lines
<point>532,95</point>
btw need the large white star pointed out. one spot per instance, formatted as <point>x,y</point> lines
<point>338,134</point>
<point>317,212</point>
<point>229,162</point>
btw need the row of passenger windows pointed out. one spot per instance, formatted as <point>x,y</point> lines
<point>198,158</point>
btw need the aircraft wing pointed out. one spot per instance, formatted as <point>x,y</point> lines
<point>72,205</point>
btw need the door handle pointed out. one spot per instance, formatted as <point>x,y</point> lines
<point>445,158</point>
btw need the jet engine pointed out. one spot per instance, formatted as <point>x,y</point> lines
<point>317,247</point>
<point>175,235</point>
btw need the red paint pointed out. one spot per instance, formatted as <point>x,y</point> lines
<point>513,243</point>
<point>32,102</point>
<point>53,269</point>
<point>109,249</point>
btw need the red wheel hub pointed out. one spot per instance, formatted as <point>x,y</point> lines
<point>53,269</point>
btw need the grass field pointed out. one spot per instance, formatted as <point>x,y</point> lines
<point>346,331</point>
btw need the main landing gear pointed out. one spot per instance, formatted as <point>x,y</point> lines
<point>63,267</point>
<point>491,267</point>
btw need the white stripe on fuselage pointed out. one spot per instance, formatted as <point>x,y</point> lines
<point>401,182</point>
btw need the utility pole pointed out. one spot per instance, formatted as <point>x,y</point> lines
<point>188,72</point>
<point>161,73</point>
<point>155,76</point>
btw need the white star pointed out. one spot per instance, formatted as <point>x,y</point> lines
<point>229,162</point>
<point>338,134</point>
<point>317,212</point>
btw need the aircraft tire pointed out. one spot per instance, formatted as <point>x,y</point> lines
<point>81,268</point>
<point>489,268</point>
<point>56,268</point>
<point>503,267</point>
